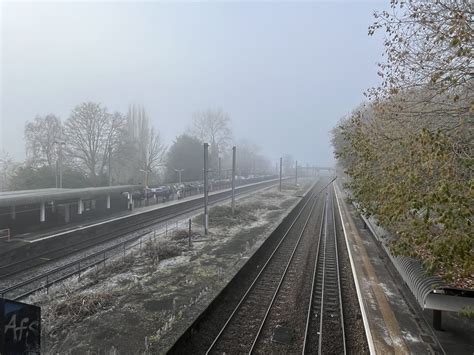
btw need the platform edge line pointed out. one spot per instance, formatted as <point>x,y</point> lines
<point>368,333</point>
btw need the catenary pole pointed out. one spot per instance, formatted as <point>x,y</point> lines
<point>233,178</point>
<point>281,163</point>
<point>206,171</point>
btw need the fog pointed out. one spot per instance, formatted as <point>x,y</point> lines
<point>284,72</point>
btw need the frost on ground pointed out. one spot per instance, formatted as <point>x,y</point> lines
<point>141,302</point>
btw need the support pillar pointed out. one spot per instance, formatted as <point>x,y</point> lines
<point>108,201</point>
<point>130,201</point>
<point>437,319</point>
<point>42,212</point>
<point>80,206</point>
<point>67,213</point>
<point>13,215</point>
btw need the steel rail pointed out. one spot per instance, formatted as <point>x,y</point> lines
<point>95,254</point>
<point>310,303</point>
<point>237,307</point>
<point>250,288</point>
<point>326,254</point>
<point>341,306</point>
<point>277,290</point>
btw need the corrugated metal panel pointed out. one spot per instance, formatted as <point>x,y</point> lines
<point>411,270</point>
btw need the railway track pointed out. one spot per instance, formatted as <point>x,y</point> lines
<point>325,331</point>
<point>242,329</point>
<point>293,304</point>
<point>26,285</point>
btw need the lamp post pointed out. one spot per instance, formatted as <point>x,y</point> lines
<point>179,171</point>
<point>146,171</point>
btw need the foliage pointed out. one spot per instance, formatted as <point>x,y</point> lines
<point>409,152</point>
<point>467,311</point>
<point>28,177</point>
<point>186,153</point>
<point>426,42</point>
<point>8,168</point>
<point>413,179</point>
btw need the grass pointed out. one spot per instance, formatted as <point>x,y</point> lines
<point>222,216</point>
<point>80,306</point>
<point>160,251</point>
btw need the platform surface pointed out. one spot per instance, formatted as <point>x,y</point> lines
<point>396,324</point>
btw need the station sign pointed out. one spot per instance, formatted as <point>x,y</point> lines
<point>20,326</point>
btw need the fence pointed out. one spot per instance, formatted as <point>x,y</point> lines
<point>77,267</point>
<point>5,234</point>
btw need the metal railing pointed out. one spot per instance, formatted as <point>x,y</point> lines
<point>5,234</point>
<point>79,266</point>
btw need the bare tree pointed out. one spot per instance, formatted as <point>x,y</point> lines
<point>7,171</point>
<point>40,136</point>
<point>140,148</point>
<point>156,151</point>
<point>212,126</point>
<point>91,133</point>
<point>427,43</point>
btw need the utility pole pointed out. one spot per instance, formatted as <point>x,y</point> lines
<point>206,171</point>
<point>296,173</point>
<point>219,168</point>
<point>233,178</point>
<point>281,163</point>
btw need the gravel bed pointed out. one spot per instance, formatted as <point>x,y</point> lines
<point>242,329</point>
<point>291,304</point>
<point>333,340</point>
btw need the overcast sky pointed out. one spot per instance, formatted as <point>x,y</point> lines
<point>285,72</point>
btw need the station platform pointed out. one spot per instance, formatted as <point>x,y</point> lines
<point>20,240</point>
<point>394,321</point>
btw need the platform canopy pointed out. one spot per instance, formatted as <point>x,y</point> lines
<point>26,197</point>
